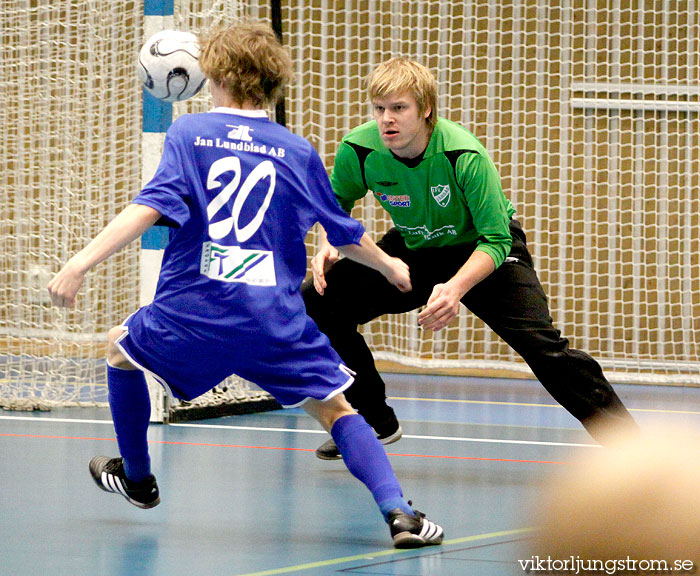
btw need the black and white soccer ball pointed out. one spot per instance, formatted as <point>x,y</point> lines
<point>169,67</point>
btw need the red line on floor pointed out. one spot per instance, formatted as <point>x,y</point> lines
<point>213,445</point>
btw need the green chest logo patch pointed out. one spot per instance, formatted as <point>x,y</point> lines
<point>441,194</point>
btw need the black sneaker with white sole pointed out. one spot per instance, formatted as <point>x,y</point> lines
<point>108,474</point>
<point>329,451</point>
<point>413,531</point>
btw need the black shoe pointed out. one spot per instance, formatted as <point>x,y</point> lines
<point>108,474</point>
<point>329,451</point>
<point>413,531</point>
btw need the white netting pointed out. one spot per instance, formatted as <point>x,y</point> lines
<point>70,115</point>
<point>589,109</point>
<point>70,130</point>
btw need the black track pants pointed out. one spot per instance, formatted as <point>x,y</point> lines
<point>510,301</point>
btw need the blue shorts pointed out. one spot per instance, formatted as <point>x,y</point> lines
<point>291,368</point>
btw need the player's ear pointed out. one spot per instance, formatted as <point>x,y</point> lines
<point>427,112</point>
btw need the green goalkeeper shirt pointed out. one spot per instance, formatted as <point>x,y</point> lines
<point>451,195</point>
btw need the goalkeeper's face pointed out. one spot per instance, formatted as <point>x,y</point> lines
<point>402,126</point>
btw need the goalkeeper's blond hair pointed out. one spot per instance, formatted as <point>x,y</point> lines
<point>403,75</point>
<point>248,60</point>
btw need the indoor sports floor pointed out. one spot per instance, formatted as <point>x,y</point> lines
<point>245,495</point>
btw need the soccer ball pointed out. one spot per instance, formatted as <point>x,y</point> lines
<point>168,66</point>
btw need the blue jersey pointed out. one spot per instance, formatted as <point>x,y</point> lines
<point>240,193</point>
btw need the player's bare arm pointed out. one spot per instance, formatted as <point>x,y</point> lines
<point>443,304</point>
<point>129,224</point>
<point>368,253</point>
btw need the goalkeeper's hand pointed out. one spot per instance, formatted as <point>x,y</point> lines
<point>321,263</point>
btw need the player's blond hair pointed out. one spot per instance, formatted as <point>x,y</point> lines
<point>248,60</point>
<point>403,75</point>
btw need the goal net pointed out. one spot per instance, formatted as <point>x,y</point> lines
<point>589,110</point>
<point>71,160</point>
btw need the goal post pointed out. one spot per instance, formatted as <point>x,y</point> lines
<point>234,396</point>
<point>590,111</point>
<point>156,118</point>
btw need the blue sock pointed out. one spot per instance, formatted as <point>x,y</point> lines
<point>367,461</point>
<point>131,411</point>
